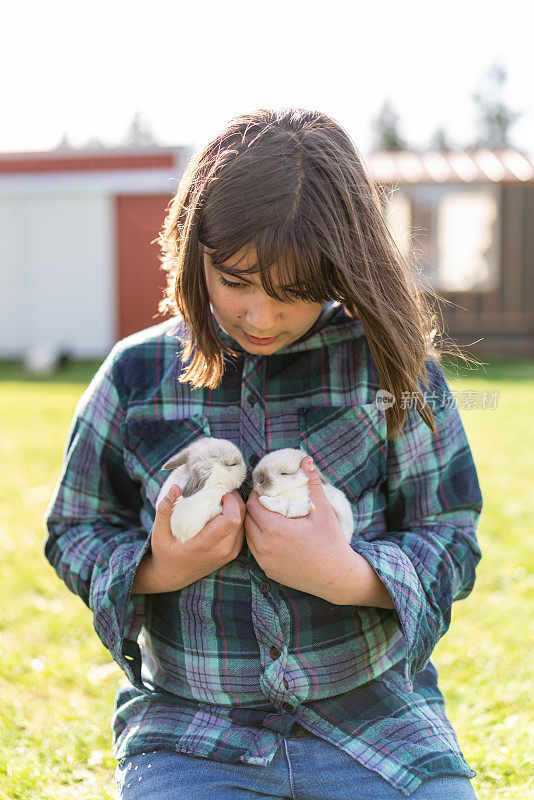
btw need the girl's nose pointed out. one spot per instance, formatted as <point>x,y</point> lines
<point>262,317</point>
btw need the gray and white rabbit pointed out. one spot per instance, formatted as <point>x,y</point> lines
<point>204,471</point>
<point>282,486</point>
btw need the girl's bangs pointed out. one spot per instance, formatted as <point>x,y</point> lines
<point>302,267</point>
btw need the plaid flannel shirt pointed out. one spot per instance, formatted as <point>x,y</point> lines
<point>225,667</point>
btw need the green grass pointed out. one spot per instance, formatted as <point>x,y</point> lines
<point>60,682</point>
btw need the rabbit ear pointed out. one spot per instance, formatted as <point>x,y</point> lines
<point>195,483</point>
<point>176,461</point>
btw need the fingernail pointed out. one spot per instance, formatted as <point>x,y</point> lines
<point>309,464</point>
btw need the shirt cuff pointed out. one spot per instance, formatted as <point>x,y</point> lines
<point>117,613</point>
<point>397,572</point>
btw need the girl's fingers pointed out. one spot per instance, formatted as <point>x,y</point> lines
<point>166,503</point>
<point>231,508</point>
<point>252,528</point>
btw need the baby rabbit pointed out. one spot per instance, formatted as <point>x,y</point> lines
<point>281,486</point>
<point>204,471</point>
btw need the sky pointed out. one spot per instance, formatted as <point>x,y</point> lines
<point>85,69</point>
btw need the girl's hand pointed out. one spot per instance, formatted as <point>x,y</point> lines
<point>171,564</point>
<point>309,553</point>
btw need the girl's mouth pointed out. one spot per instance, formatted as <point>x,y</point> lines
<point>255,340</point>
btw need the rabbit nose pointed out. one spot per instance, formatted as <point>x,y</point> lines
<point>263,481</point>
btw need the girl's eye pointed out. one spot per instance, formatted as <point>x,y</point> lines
<point>230,284</point>
<point>294,295</point>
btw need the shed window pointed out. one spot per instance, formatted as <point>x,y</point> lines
<point>399,220</point>
<point>466,241</point>
<point>451,232</point>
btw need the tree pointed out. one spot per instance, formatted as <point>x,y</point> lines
<point>386,129</point>
<point>440,139</point>
<point>64,142</point>
<point>139,133</point>
<point>495,118</point>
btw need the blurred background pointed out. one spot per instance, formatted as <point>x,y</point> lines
<point>102,106</point>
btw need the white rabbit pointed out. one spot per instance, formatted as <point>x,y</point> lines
<point>204,471</point>
<point>282,486</point>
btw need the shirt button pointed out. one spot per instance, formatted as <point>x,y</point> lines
<point>265,587</point>
<point>274,652</point>
<point>287,707</point>
<point>252,398</point>
<point>253,460</point>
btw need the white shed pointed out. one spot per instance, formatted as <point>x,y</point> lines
<point>77,267</point>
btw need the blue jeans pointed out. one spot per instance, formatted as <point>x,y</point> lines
<point>305,768</point>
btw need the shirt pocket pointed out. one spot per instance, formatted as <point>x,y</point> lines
<point>149,443</point>
<point>348,444</point>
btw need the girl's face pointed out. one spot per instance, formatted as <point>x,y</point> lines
<point>241,307</point>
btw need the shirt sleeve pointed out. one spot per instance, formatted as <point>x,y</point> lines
<point>428,555</point>
<point>95,538</point>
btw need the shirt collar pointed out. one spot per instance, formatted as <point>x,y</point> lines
<point>331,309</point>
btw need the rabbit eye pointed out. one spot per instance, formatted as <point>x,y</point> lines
<point>231,463</point>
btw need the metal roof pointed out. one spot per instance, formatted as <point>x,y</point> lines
<point>92,159</point>
<point>110,170</point>
<point>476,166</point>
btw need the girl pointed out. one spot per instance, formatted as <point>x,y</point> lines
<point>268,657</point>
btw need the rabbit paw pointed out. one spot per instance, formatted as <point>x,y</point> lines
<point>287,508</point>
<point>277,504</point>
<point>298,508</point>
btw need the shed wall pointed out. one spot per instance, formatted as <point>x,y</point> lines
<point>56,273</point>
<point>504,317</point>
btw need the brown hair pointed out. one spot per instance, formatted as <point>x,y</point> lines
<point>292,184</point>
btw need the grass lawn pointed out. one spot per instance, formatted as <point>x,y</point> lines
<point>59,682</point>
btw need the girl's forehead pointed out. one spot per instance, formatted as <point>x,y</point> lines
<point>242,259</point>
